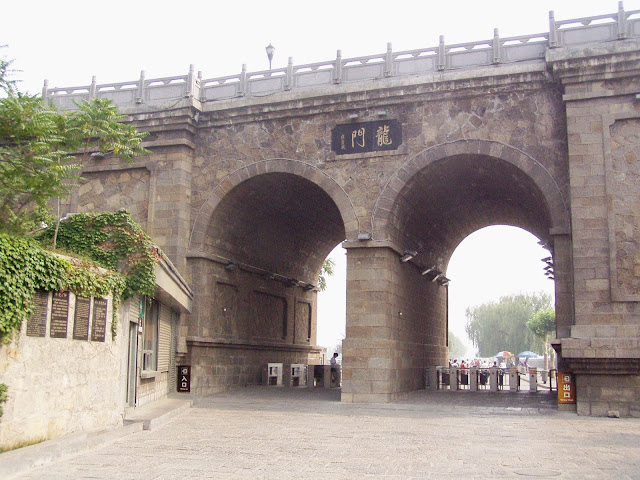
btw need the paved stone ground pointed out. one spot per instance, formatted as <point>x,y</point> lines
<point>274,433</point>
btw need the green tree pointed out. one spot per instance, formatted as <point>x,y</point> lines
<point>42,150</point>
<point>7,85</point>
<point>325,271</point>
<point>502,325</point>
<point>543,324</point>
<point>456,347</point>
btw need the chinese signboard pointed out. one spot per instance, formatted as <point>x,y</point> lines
<point>99,324</point>
<point>59,315</point>
<point>184,378</point>
<point>566,388</point>
<point>37,322</point>
<point>366,137</point>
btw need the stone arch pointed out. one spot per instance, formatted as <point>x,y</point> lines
<point>539,175</point>
<point>278,165</point>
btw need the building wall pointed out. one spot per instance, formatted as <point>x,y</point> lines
<point>58,386</point>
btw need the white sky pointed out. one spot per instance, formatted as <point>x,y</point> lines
<point>69,41</point>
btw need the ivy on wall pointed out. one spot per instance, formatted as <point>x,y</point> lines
<point>26,267</point>
<point>114,241</point>
<point>111,240</point>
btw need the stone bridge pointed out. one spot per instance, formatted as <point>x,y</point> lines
<point>254,178</point>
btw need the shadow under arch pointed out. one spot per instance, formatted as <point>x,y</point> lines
<point>277,165</point>
<point>383,211</point>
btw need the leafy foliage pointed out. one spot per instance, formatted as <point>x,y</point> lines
<point>7,85</point>
<point>25,267</point>
<point>115,241</point>
<point>543,322</point>
<point>3,396</point>
<point>503,325</point>
<point>456,347</point>
<point>42,150</point>
<point>34,163</point>
<point>327,270</point>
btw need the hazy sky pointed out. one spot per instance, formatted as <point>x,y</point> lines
<point>69,41</point>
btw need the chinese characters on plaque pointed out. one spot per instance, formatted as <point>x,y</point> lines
<point>366,137</point>
<point>59,317</point>
<point>566,388</point>
<point>184,378</point>
<point>37,321</point>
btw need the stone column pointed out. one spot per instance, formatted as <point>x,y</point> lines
<point>396,326</point>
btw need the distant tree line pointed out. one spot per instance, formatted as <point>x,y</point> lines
<point>502,325</point>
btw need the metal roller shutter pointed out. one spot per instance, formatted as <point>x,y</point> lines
<point>164,339</point>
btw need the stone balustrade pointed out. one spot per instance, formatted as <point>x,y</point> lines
<point>526,48</point>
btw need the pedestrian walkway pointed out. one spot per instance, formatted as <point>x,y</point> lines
<point>280,433</point>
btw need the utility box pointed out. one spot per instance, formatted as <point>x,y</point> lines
<point>453,378</point>
<point>272,375</point>
<point>533,380</point>
<point>297,374</point>
<point>514,380</point>
<point>493,379</point>
<point>473,379</point>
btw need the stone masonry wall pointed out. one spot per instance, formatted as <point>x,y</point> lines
<point>58,386</point>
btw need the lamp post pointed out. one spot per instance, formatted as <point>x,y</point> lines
<point>270,51</point>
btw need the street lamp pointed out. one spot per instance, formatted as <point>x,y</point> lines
<point>270,51</point>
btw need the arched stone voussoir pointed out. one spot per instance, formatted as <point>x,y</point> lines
<point>540,176</point>
<point>276,165</point>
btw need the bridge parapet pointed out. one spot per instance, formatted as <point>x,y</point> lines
<point>525,48</point>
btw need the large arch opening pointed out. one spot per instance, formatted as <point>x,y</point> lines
<point>494,268</point>
<point>432,204</point>
<point>255,278</point>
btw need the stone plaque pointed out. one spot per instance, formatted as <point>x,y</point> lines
<point>99,324</point>
<point>59,315</point>
<point>81,319</point>
<point>37,321</point>
<point>366,137</point>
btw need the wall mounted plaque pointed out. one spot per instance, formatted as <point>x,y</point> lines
<point>59,315</point>
<point>81,319</point>
<point>37,321</point>
<point>365,137</point>
<point>184,378</point>
<point>99,324</point>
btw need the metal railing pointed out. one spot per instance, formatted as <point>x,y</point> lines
<point>487,379</point>
<point>494,51</point>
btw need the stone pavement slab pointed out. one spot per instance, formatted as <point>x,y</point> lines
<point>276,433</point>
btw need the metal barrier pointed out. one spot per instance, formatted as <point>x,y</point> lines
<point>491,379</point>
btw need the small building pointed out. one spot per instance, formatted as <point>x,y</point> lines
<point>75,367</point>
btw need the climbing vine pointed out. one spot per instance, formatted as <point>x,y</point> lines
<point>111,240</point>
<point>26,267</point>
<point>115,241</point>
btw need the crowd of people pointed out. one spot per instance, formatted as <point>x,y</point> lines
<point>490,362</point>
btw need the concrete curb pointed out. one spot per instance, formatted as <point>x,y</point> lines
<point>150,416</point>
<point>21,460</point>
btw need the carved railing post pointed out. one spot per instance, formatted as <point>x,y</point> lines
<point>93,88</point>
<point>243,81</point>
<point>388,61</point>
<point>45,90</point>
<point>442,61</point>
<point>337,76</point>
<point>199,84</point>
<point>289,82</point>
<point>622,22</point>
<point>140,97</point>
<point>553,31</point>
<point>190,81</point>
<point>497,48</point>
